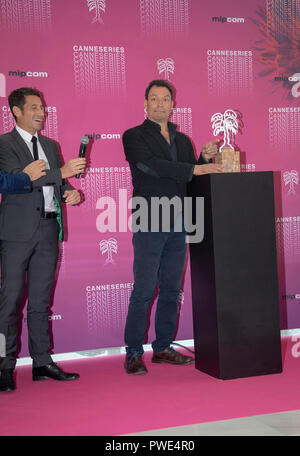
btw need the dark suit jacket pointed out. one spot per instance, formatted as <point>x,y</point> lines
<point>20,214</point>
<point>142,144</point>
<point>145,147</point>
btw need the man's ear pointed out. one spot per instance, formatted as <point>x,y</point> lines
<point>17,111</point>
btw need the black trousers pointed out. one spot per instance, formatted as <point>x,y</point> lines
<point>157,257</point>
<point>37,258</point>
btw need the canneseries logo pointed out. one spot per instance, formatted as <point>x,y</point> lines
<point>99,70</point>
<point>107,306</point>
<point>284,128</point>
<point>104,182</point>
<point>183,118</point>
<point>229,71</point>
<point>26,16</point>
<point>282,16</point>
<point>288,238</point>
<point>165,17</point>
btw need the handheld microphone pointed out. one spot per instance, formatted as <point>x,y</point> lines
<point>83,144</point>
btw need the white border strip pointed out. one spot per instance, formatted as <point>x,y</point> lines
<point>97,353</point>
<point>100,352</point>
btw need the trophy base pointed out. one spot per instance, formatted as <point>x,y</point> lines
<point>229,159</point>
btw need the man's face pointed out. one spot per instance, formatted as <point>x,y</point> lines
<point>159,104</point>
<point>31,116</point>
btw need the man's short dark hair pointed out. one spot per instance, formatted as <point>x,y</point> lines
<point>17,97</point>
<point>160,83</point>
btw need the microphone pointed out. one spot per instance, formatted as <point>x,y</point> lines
<point>83,144</point>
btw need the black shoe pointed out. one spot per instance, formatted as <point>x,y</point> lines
<point>7,382</point>
<point>51,371</point>
<point>134,365</point>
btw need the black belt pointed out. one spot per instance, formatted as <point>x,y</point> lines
<point>48,215</point>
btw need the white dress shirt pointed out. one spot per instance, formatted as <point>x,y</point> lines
<point>48,190</point>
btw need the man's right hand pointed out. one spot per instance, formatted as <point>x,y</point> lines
<point>210,168</point>
<point>35,170</point>
<point>73,167</point>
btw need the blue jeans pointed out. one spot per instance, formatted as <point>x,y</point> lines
<point>157,257</point>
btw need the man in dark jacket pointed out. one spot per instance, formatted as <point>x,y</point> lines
<point>162,161</point>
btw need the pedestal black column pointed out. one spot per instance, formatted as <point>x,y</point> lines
<point>234,277</point>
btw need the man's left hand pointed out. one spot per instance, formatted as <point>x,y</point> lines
<point>72,197</point>
<point>210,149</point>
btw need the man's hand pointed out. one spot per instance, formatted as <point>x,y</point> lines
<point>72,197</point>
<point>35,170</point>
<point>73,167</point>
<point>210,149</point>
<point>210,168</point>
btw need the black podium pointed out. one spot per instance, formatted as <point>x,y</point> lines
<point>234,277</point>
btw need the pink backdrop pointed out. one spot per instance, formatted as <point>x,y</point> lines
<point>92,60</point>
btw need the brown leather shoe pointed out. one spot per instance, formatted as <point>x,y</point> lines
<point>170,356</point>
<point>134,365</point>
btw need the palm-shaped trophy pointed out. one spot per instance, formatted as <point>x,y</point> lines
<point>227,124</point>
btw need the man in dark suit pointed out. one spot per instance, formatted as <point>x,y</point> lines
<point>162,161</point>
<point>29,233</point>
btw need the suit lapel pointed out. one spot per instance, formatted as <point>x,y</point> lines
<point>44,143</point>
<point>16,138</point>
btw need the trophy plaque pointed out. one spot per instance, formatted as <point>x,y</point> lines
<point>227,124</point>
